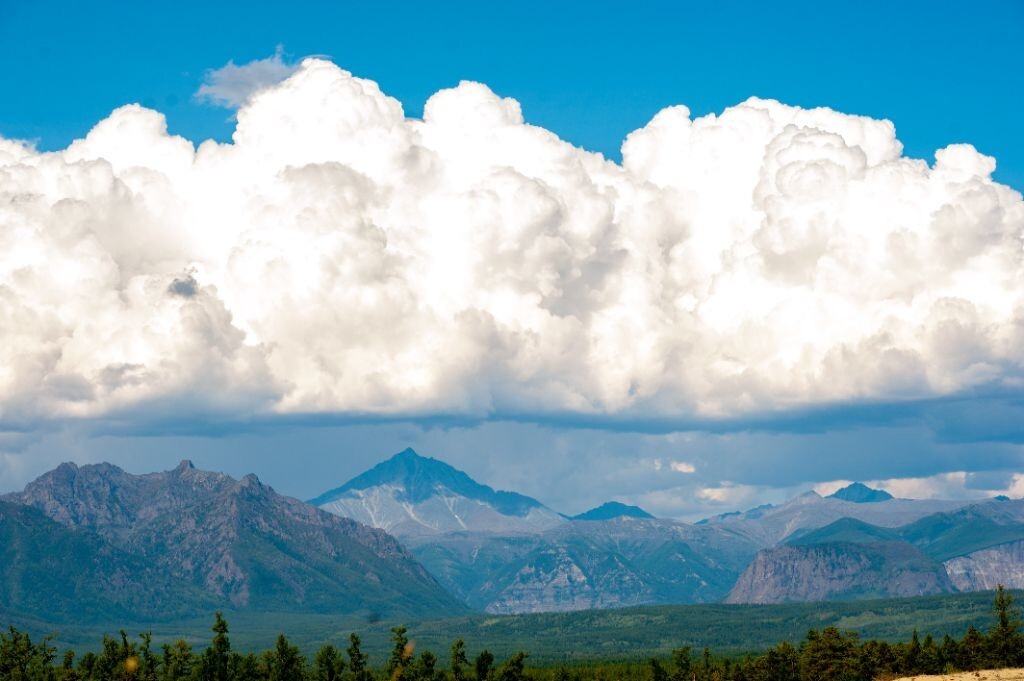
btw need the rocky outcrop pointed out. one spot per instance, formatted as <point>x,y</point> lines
<point>839,571</point>
<point>984,570</point>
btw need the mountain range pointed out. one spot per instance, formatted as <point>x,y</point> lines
<point>504,553</point>
<point>414,536</point>
<point>103,543</point>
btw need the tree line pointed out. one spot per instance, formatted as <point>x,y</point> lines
<point>825,655</point>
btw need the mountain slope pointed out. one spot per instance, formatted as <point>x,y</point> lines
<point>588,564</point>
<point>410,495</point>
<point>46,567</point>
<point>236,542</point>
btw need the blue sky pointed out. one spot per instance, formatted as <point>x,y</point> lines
<point>600,335</point>
<point>943,72</point>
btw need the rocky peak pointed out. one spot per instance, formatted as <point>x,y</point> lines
<point>611,510</point>
<point>860,493</point>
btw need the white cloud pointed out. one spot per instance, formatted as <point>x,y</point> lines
<point>831,487</point>
<point>728,494</point>
<point>682,467</point>
<point>340,257</point>
<point>232,85</point>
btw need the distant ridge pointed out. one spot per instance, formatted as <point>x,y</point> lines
<point>859,493</point>
<point>611,510</point>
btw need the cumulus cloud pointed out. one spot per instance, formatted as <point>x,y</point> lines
<point>340,257</point>
<point>232,85</point>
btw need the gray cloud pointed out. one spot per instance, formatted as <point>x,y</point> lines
<point>232,85</point>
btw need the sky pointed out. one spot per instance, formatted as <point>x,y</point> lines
<point>692,257</point>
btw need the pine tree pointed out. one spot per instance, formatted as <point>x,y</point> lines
<point>1004,639</point>
<point>149,663</point>
<point>357,660</point>
<point>286,663</point>
<point>972,650</point>
<point>425,668</point>
<point>213,664</point>
<point>683,670</point>
<point>328,664</point>
<point>912,655</point>
<point>829,655</point>
<point>514,668</point>
<point>658,672</point>
<point>458,660</point>
<point>401,651</point>
<point>483,664</point>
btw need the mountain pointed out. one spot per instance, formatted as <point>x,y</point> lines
<point>769,525</point>
<point>195,537</point>
<point>587,564</point>
<point>611,510</point>
<point>507,553</point>
<point>410,495</point>
<point>839,571</point>
<point>968,549</point>
<point>860,494</point>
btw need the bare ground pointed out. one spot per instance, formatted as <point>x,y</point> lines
<point>984,675</point>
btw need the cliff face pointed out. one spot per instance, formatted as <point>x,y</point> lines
<point>985,569</point>
<point>236,542</point>
<point>839,571</point>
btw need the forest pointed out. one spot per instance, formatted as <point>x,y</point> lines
<point>825,654</point>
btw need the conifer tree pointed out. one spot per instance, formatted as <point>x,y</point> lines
<point>357,660</point>
<point>1004,639</point>
<point>286,663</point>
<point>458,660</point>
<point>328,664</point>
<point>401,650</point>
<point>483,664</point>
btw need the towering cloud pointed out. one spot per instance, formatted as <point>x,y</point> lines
<point>340,257</point>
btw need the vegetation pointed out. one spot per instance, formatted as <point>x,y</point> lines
<point>825,654</point>
<point>626,634</point>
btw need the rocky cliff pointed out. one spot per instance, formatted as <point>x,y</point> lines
<point>839,571</point>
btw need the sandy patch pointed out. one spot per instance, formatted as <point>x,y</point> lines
<point>984,675</point>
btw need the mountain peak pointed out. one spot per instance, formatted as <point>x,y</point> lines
<point>409,494</point>
<point>421,477</point>
<point>613,509</point>
<point>860,493</point>
<point>185,465</point>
